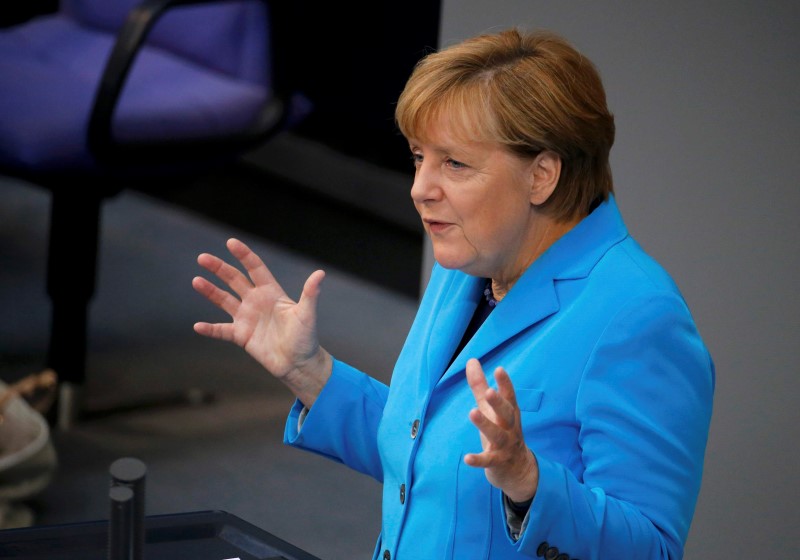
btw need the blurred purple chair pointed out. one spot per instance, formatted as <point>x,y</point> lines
<point>103,94</point>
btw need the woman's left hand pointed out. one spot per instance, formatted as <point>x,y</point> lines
<point>508,463</point>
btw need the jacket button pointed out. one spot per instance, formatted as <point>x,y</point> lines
<point>402,493</point>
<point>386,555</point>
<point>542,550</point>
<point>414,429</point>
<point>551,554</point>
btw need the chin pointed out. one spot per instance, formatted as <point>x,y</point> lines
<point>445,261</point>
<point>451,261</point>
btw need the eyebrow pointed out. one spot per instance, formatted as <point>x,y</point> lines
<point>444,149</point>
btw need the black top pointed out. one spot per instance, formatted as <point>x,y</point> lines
<point>485,307</point>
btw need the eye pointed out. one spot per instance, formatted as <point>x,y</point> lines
<point>416,159</point>
<point>449,162</point>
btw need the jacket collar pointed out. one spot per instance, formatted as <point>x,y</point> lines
<point>533,297</point>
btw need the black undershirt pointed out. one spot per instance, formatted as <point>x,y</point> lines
<point>485,307</point>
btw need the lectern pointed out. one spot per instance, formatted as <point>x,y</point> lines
<point>203,535</point>
<point>130,535</point>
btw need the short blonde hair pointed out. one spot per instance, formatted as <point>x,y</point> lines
<point>528,92</point>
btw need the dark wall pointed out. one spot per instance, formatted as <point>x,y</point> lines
<point>12,13</point>
<point>353,62</point>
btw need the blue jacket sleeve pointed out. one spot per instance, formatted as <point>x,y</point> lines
<point>343,423</point>
<point>644,408</point>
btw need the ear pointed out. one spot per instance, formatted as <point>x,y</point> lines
<point>545,172</point>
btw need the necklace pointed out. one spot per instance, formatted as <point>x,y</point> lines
<point>489,295</point>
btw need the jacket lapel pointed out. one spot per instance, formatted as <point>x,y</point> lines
<point>533,298</point>
<point>520,309</point>
<point>457,304</point>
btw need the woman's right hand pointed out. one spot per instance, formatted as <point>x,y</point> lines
<point>278,332</point>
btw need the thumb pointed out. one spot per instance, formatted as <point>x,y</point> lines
<point>310,295</point>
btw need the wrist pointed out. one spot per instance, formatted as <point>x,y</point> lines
<point>308,378</point>
<point>523,493</point>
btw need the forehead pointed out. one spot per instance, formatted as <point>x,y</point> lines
<point>451,126</point>
<point>446,136</point>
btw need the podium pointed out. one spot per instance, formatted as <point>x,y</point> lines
<point>203,535</point>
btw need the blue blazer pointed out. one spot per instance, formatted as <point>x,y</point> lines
<point>614,383</point>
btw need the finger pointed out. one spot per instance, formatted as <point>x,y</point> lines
<point>222,331</point>
<point>503,400</point>
<point>504,412</point>
<point>481,460</point>
<point>505,387</point>
<point>227,273</point>
<point>476,380</point>
<point>259,273</point>
<point>219,297</point>
<point>495,435</point>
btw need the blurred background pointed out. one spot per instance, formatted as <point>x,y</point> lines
<point>706,105</point>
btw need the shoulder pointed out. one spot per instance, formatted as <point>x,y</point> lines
<point>627,289</point>
<point>628,271</point>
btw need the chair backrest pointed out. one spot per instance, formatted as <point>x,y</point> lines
<point>230,37</point>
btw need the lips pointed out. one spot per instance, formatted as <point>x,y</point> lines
<point>437,227</point>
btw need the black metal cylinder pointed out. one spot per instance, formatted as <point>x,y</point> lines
<point>129,472</point>
<point>120,535</point>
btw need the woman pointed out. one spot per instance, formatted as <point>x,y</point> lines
<point>586,439</point>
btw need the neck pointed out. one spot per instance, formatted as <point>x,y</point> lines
<point>543,238</point>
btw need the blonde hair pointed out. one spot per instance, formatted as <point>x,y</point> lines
<point>528,92</point>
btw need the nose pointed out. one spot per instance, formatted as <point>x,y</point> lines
<point>426,185</point>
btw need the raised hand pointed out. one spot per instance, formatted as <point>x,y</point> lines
<point>278,332</point>
<point>508,463</point>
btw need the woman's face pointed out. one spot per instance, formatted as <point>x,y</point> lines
<point>474,199</point>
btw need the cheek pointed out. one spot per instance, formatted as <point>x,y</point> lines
<point>492,220</point>
<point>497,227</point>
<point>481,227</point>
